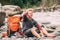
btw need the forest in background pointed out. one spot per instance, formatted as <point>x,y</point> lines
<point>30,3</point>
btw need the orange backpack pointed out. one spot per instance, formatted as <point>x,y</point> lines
<point>13,23</point>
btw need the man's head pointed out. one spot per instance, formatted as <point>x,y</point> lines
<point>30,12</point>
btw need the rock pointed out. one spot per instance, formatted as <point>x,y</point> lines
<point>11,9</point>
<point>51,20</point>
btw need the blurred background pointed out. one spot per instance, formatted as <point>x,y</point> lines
<point>31,3</point>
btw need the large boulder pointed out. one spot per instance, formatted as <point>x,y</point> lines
<point>11,9</point>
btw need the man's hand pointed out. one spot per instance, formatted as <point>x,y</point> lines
<point>41,33</point>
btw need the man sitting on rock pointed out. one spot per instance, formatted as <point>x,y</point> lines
<point>29,23</point>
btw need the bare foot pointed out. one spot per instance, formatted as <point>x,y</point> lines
<point>51,36</point>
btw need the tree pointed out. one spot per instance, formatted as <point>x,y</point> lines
<point>44,3</point>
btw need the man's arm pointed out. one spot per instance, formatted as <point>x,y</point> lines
<point>24,14</point>
<point>38,26</point>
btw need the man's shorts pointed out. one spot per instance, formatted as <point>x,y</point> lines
<point>28,32</point>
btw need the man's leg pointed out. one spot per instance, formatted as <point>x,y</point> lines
<point>46,33</point>
<point>35,33</point>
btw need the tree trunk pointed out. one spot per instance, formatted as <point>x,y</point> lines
<point>44,3</point>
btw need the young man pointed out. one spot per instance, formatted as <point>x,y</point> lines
<point>29,23</point>
<point>13,25</point>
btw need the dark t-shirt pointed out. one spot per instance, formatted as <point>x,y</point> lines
<point>27,23</point>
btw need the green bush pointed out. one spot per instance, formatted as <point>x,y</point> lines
<point>22,3</point>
